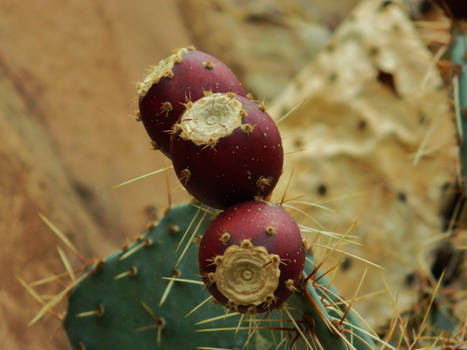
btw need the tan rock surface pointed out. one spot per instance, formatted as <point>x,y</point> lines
<point>376,144</point>
<point>67,74</point>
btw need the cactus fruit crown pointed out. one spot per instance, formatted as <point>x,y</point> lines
<point>247,275</point>
<point>162,70</point>
<point>210,118</point>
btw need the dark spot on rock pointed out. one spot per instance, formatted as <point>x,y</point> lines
<point>449,260</point>
<point>346,264</point>
<point>421,118</point>
<point>409,279</point>
<point>387,79</point>
<point>84,192</point>
<point>151,212</point>
<point>361,124</point>
<point>402,197</point>
<point>426,6</point>
<point>451,207</point>
<point>298,142</point>
<point>374,51</point>
<point>332,77</point>
<point>322,190</point>
<point>385,5</point>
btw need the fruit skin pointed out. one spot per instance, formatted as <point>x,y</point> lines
<point>242,166</point>
<point>196,73</point>
<point>262,224</point>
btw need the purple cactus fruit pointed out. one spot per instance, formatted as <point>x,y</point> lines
<point>251,257</point>
<point>226,150</point>
<point>178,79</point>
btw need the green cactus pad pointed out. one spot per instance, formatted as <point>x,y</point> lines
<point>117,306</point>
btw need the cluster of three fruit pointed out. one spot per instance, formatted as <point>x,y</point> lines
<point>227,152</point>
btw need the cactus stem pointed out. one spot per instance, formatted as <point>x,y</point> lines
<point>197,307</point>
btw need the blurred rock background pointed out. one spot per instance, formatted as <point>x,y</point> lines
<point>68,132</point>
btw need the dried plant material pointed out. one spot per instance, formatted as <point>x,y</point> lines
<point>378,144</point>
<point>265,42</point>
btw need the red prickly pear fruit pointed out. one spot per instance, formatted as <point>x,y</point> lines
<point>251,257</point>
<point>226,150</point>
<point>183,77</point>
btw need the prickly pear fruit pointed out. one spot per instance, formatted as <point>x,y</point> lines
<point>226,150</point>
<point>252,256</point>
<point>182,77</point>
